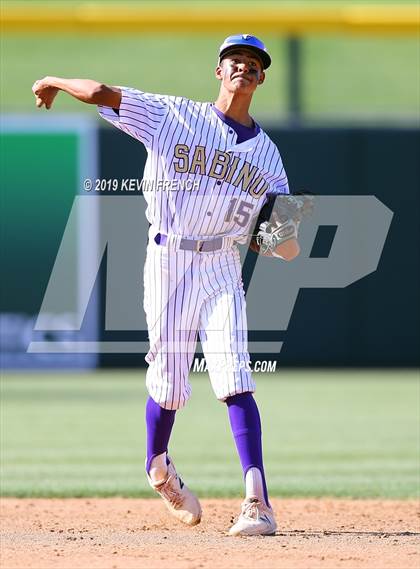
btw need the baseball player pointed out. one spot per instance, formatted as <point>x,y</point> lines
<point>192,275</point>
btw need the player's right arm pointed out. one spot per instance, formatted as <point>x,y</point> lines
<point>85,90</point>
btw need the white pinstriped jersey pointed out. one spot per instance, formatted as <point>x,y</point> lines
<point>215,187</point>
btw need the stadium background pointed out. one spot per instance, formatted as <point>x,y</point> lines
<point>341,416</point>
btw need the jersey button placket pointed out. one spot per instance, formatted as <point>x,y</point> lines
<point>230,138</point>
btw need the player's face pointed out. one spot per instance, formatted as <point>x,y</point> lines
<point>240,72</point>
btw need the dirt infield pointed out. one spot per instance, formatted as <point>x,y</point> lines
<point>119,533</point>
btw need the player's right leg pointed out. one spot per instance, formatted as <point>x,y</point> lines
<point>170,302</point>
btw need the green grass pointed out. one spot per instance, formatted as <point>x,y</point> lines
<point>342,76</point>
<point>366,77</point>
<point>325,433</point>
<point>175,65</point>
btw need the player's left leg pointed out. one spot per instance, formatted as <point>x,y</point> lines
<point>223,334</point>
<point>245,423</point>
<point>257,517</point>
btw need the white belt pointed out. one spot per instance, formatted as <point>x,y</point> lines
<point>178,242</point>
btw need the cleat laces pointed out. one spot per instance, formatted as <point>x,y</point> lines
<point>171,493</point>
<point>250,510</point>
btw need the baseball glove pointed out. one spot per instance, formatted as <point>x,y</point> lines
<point>279,221</point>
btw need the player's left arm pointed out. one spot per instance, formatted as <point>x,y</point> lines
<point>277,228</point>
<point>288,250</point>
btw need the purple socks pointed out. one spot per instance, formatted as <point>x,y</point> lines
<point>244,420</point>
<point>246,428</point>
<point>159,423</point>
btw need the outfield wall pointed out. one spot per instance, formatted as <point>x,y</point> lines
<point>373,322</point>
<point>44,161</point>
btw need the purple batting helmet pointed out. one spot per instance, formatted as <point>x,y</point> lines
<point>250,42</point>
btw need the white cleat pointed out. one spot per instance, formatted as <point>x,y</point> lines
<point>178,498</point>
<point>255,519</point>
